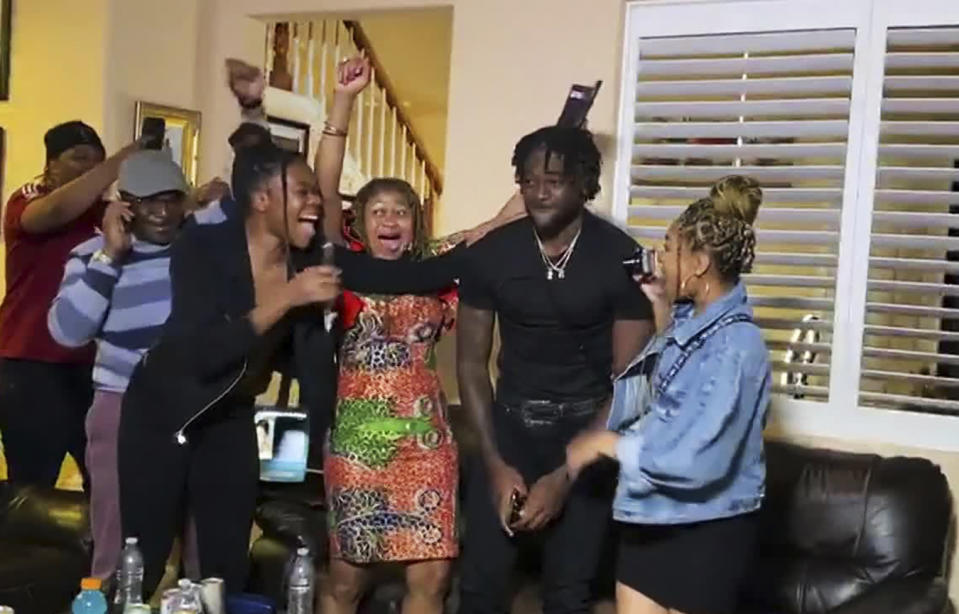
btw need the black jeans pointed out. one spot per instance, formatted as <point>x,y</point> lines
<point>532,437</point>
<point>214,476</point>
<point>42,411</point>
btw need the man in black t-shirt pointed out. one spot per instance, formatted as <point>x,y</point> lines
<point>569,315</point>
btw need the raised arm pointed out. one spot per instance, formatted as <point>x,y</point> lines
<point>86,293</point>
<point>364,273</point>
<point>71,200</point>
<point>352,77</point>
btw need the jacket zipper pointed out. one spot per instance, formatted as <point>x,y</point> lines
<point>180,435</point>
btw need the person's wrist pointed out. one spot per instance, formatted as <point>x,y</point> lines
<point>250,104</point>
<point>345,95</point>
<point>109,255</point>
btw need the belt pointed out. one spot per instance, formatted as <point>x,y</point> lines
<point>533,412</point>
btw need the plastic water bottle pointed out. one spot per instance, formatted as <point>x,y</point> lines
<point>299,592</point>
<point>90,600</point>
<point>129,576</point>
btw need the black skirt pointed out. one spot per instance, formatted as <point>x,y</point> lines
<point>694,568</point>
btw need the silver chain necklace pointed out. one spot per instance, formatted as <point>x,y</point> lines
<point>556,270</point>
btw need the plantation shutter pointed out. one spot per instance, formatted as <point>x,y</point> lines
<point>910,356</point>
<point>775,106</point>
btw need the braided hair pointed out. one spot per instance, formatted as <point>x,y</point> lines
<point>722,225</point>
<point>256,165</point>
<point>375,187</point>
<point>581,159</point>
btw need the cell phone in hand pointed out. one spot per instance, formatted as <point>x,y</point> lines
<point>153,132</point>
<point>578,103</point>
<point>516,503</point>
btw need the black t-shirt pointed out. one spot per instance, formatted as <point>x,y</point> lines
<point>556,334</point>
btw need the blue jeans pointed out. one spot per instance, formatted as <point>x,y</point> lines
<point>532,437</point>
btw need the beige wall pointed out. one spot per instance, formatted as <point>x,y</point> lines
<point>57,75</point>
<point>151,56</point>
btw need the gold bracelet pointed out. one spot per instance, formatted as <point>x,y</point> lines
<point>333,130</point>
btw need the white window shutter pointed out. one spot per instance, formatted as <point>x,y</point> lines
<point>773,105</point>
<point>910,354</point>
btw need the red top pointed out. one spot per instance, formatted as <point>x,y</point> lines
<point>34,269</point>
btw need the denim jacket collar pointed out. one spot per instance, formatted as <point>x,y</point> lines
<point>686,325</point>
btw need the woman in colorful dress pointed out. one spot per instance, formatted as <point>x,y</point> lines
<point>391,467</point>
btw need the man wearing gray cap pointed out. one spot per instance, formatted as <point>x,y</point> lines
<point>116,292</point>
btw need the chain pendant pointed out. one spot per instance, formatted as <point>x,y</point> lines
<point>549,274</point>
<point>562,274</point>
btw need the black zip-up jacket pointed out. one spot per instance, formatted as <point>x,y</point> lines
<point>202,353</point>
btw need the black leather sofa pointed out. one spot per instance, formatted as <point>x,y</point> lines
<point>44,548</point>
<point>841,534</point>
<point>851,534</point>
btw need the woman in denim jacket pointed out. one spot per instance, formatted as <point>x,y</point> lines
<point>687,418</point>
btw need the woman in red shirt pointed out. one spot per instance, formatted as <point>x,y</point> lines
<point>46,389</point>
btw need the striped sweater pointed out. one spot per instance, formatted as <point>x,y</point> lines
<point>122,308</point>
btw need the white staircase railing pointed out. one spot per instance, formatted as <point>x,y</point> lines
<point>382,140</point>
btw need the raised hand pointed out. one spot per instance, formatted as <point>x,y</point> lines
<point>246,82</point>
<point>353,75</point>
<point>211,191</point>
<point>116,234</point>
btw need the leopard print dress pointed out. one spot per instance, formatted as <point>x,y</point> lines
<point>390,468</point>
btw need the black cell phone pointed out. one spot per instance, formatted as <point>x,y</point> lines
<point>516,502</point>
<point>578,103</point>
<point>641,264</point>
<point>153,132</point>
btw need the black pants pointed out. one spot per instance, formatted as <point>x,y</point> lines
<point>42,411</point>
<point>533,440</point>
<point>214,475</point>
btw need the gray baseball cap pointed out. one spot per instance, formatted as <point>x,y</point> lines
<point>150,172</point>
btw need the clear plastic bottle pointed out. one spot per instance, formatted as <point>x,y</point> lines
<point>188,600</point>
<point>299,592</point>
<point>129,576</point>
<point>90,600</point>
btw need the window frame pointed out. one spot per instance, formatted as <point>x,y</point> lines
<point>840,416</point>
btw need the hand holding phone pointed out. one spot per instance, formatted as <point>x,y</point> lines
<point>578,103</point>
<point>117,237</point>
<point>152,133</point>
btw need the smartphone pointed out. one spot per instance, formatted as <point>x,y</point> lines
<point>641,264</point>
<point>578,103</point>
<point>516,502</point>
<point>153,132</point>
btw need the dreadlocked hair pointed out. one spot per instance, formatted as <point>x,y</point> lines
<point>722,225</point>
<point>368,193</point>
<point>256,165</point>
<point>581,159</point>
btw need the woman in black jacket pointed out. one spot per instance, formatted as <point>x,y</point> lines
<point>247,293</point>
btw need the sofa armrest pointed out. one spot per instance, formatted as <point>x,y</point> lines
<point>294,524</point>
<point>903,596</point>
<point>46,516</point>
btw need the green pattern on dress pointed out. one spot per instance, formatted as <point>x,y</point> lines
<point>367,431</point>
